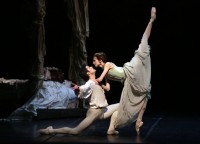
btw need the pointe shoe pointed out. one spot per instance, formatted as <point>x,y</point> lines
<point>46,130</point>
<point>153,13</point>
<point>138,127</point>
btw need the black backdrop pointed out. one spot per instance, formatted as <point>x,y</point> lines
<point>116,27</point>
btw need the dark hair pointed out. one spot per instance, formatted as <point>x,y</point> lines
<point>54,74</point>
<point>101,56</point>
<point>83,73</point>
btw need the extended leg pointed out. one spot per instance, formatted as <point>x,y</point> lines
<point>92,115</point>
<point>147,32</point>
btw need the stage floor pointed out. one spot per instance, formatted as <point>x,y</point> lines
<point>158,128</point>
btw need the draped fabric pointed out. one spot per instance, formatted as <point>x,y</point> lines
<point>137,85</point>
<point>78,15</point>
<point>52,95</point>
<point>37,37</point>
<point>33,13</point>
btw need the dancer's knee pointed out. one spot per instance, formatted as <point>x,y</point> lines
<point>75,131</point>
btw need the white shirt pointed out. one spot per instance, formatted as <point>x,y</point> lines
<point>86,89</point>
<point>95,93</point>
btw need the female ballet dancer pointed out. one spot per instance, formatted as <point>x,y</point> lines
<point>135,76</point>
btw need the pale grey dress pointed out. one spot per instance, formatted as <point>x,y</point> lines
<point>136,76</point>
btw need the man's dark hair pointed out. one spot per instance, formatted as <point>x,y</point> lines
<point>83,73</point>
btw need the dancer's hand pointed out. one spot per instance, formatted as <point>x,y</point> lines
<point>75,87</point>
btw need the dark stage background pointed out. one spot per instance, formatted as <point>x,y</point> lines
<point>116,27</point>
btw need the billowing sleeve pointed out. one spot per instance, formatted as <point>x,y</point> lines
<point>85,90</point>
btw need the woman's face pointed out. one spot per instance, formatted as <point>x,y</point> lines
<point>96,62</point>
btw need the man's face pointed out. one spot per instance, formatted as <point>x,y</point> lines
<point>91,70</point>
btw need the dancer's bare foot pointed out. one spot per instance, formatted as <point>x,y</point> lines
<point>153,14</point>
<point>46,130</point>
<point>112,132</point>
